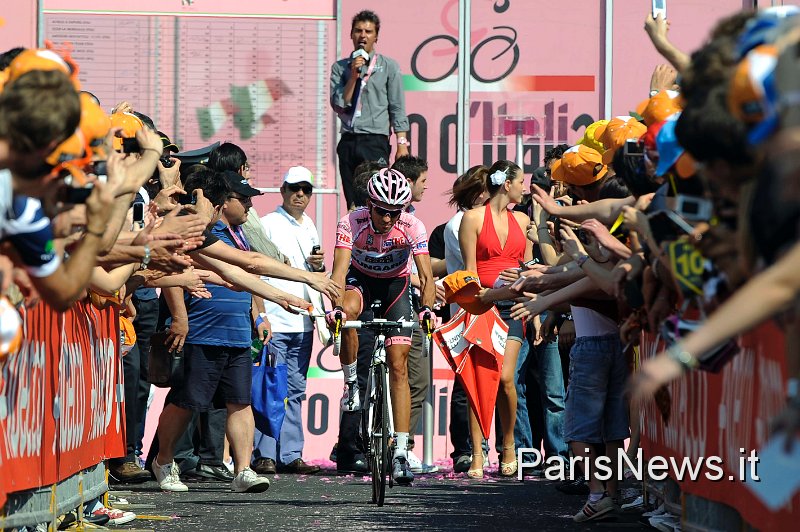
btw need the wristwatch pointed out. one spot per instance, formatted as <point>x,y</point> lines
<point>402,141</point>
<point>581,259</point>
<point>684,358</point>
<point>146,258</point>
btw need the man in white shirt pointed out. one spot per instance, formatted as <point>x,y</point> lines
<point>296,236</point>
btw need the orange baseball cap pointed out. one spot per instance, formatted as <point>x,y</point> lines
<point>42,59</point>
<point>752,96</point>
<point>579,166</point>
<point>592,135</point>
<point>660,107</point>
<point>130,124</point>
<point>94,123</point>
<point>461,287</point>
<point>69,150</point>
<point>619,130</point>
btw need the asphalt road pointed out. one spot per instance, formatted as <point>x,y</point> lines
<point>440,501</point>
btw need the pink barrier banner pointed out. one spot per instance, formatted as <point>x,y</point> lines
<point>61,397</point>
<point>725,415</point>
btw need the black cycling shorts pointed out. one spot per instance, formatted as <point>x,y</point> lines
<point>394,295</point>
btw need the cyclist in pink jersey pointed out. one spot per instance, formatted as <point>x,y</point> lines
<point>492,240</point>
<point>373,247</point>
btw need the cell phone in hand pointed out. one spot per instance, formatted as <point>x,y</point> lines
<point>76,195</point>
<point>660,9</point>
<point>130,145</point>
<point>166,161</point>
<point>138,213</point>
<point>668,226</point>
<point>693,208</point>
<point>315,249</point>
<point>187,199</point>
<point>633,294</point>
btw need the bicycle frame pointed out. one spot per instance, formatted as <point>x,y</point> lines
<point>378,367</point>
<point>377,417</point>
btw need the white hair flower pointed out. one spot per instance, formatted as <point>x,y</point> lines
<point>499,177</point>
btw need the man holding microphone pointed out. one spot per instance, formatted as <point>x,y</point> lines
<point>367,95</point>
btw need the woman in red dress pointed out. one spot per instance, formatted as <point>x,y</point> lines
<point>492,239</point>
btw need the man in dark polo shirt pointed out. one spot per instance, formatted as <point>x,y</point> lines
<point>217,359</point>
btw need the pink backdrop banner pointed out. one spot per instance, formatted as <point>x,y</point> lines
<point>256,73</point>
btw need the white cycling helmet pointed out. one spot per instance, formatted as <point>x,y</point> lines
<point>389,187</point>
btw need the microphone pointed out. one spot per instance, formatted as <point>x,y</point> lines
<point>360,52</point>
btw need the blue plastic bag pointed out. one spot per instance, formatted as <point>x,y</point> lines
<point>269,393</point>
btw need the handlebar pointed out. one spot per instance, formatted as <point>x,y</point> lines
<point>380,325</point>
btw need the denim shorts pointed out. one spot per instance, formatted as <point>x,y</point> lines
<point>515,330</point>
<point>213,377</point>
<point>596,409</point>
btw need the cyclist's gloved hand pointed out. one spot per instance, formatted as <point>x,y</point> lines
<point>332,315</point>
<point>426,317</point>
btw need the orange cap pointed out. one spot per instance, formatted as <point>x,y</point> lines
<point>461,287</point>
<point>72,148</point>
<point>41,59</point>
<point>619,130</point>
<point>746,98</point>
<point>130,124</point>
<point>660,107</point>
<point>579,166</point>
<point>94,123</point>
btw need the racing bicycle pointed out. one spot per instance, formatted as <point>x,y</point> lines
<point>377,424</point>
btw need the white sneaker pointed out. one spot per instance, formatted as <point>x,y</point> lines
<point>115,517</point>
<point>228,465</point>
<point>247,481</point>
<point>350,400</point>
<point>414,463</point>
<point>168,477</point>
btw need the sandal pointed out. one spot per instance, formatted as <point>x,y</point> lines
<point>476,473</point>
<point>508,469</point>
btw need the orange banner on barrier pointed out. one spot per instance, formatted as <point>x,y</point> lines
<point>718,415</point>
<point>61,397</point>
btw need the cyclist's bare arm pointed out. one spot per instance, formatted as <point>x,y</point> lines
<point>427,287</point>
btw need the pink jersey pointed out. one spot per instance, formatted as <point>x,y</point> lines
<point>381,255</point>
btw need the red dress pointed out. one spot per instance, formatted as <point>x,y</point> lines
<point>492,258</point>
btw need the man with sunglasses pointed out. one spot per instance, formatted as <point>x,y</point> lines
<point>373,247</point>
<point>292,338</point>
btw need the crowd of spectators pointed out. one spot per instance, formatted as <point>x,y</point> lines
<point>678,220</point>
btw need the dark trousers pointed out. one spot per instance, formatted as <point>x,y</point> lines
<point>459,422</point>
<point>354,149</point>
<point>350,445</point>
<point>134,367</point>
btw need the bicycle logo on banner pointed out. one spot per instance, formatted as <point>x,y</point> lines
<point>428,48</point>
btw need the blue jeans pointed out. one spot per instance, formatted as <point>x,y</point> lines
<point>596,408</point>
<point>551,387</point>
<point>294,350</point>
<point>522,428</point>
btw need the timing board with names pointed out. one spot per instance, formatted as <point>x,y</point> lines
<point>258,81</point>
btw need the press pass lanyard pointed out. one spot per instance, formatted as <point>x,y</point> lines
<point>362,87</point>
<point>239,238</point>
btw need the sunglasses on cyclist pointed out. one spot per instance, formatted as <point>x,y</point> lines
<point>307,189</point>
<point>380,211</point>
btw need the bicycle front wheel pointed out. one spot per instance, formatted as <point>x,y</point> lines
<point>379,443</point>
